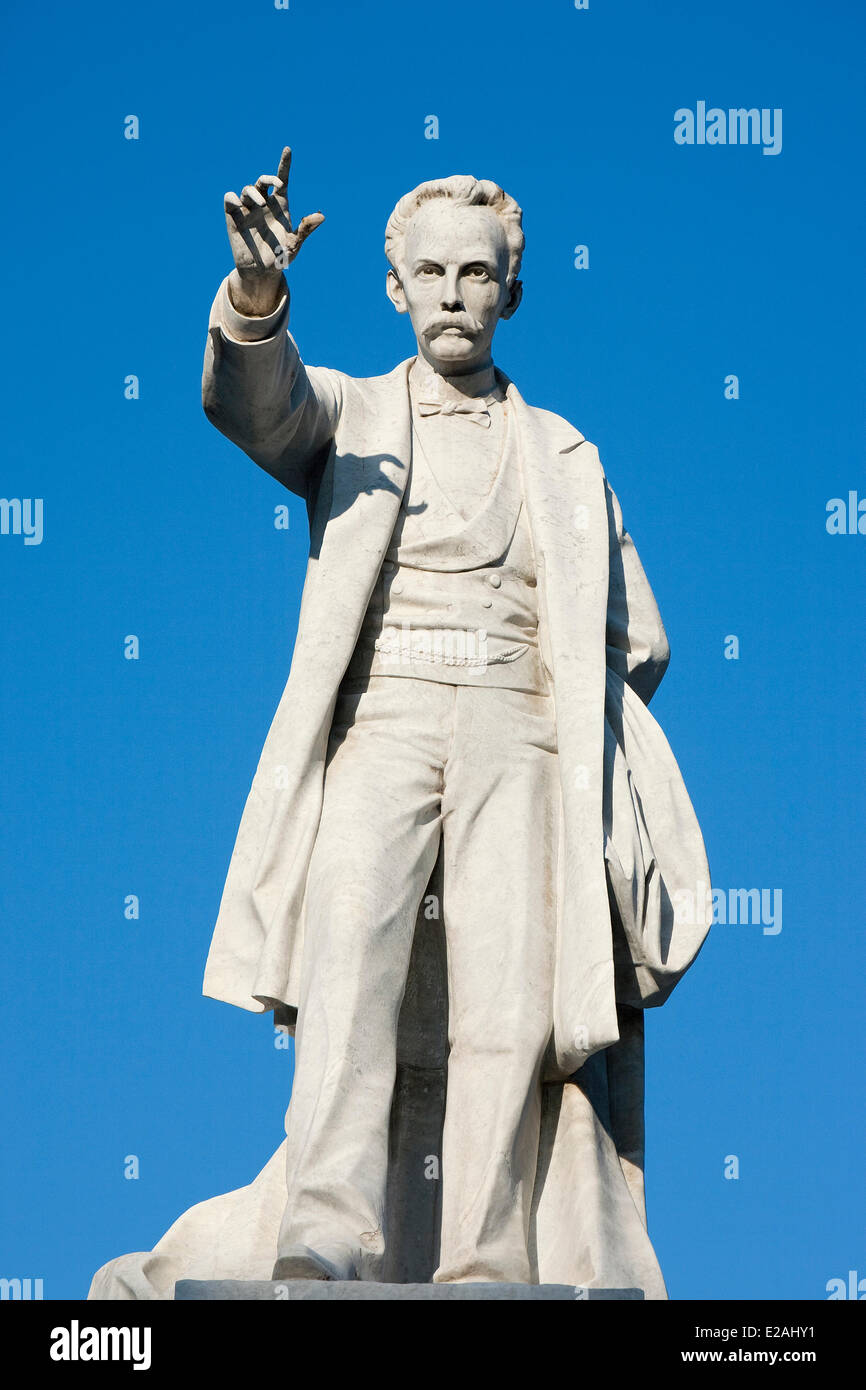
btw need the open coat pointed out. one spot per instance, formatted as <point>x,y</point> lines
<point>630,839</point>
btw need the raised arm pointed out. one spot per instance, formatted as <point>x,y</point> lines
<point>255,388</point>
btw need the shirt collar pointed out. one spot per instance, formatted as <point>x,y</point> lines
<point>431,385</point>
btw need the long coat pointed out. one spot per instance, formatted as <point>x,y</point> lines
<point>629,840</point>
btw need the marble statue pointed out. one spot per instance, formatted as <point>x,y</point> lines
<point>456,870</point>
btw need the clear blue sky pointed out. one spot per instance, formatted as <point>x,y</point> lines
<point>129,777</point>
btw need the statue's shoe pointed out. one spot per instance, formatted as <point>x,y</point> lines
<point>331,1262</point>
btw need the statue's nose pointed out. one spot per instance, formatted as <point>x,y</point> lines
<point>450,291</point>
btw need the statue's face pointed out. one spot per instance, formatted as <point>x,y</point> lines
<point>452,282</point>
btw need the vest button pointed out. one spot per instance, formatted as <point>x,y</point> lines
<point>494,580</point>
<point>487,603</point>
<point>397,588</point>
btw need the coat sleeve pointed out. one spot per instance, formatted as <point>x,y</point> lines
<point>637,646</point>
<point>259,394</point>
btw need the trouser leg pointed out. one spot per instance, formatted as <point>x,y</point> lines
<point>500,827</point>
<point>375,849</point>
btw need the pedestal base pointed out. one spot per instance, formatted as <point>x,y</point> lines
<point>335,1291</point>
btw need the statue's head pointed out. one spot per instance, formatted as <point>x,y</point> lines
<point>455,247</point>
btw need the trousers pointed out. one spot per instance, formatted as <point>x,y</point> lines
<point>413,764</point>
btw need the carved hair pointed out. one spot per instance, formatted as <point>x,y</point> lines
<point>467,192</point>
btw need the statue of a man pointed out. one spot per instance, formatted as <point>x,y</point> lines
<point>476,647</point>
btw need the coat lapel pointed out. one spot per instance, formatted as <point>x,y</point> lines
<point>355,515</point>
<point>564,487</point>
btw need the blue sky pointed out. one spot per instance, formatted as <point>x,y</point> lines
<point>129,777</point>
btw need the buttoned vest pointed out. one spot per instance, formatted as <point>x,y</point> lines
<point>456,600</point>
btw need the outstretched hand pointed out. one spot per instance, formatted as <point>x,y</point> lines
<point>262,238</point>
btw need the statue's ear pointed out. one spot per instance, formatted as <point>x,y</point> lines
<point>395,293</point>
<point>514,298</point>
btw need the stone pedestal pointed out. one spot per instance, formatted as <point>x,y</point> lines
<point>335,1291</point>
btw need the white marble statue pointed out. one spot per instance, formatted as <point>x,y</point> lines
<point>457,864</point>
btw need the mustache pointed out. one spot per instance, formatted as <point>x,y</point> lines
<point>465,322</point>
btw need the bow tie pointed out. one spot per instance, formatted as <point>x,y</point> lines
<point>475,409</point>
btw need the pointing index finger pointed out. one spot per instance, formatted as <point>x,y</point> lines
<point>285,165</point>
